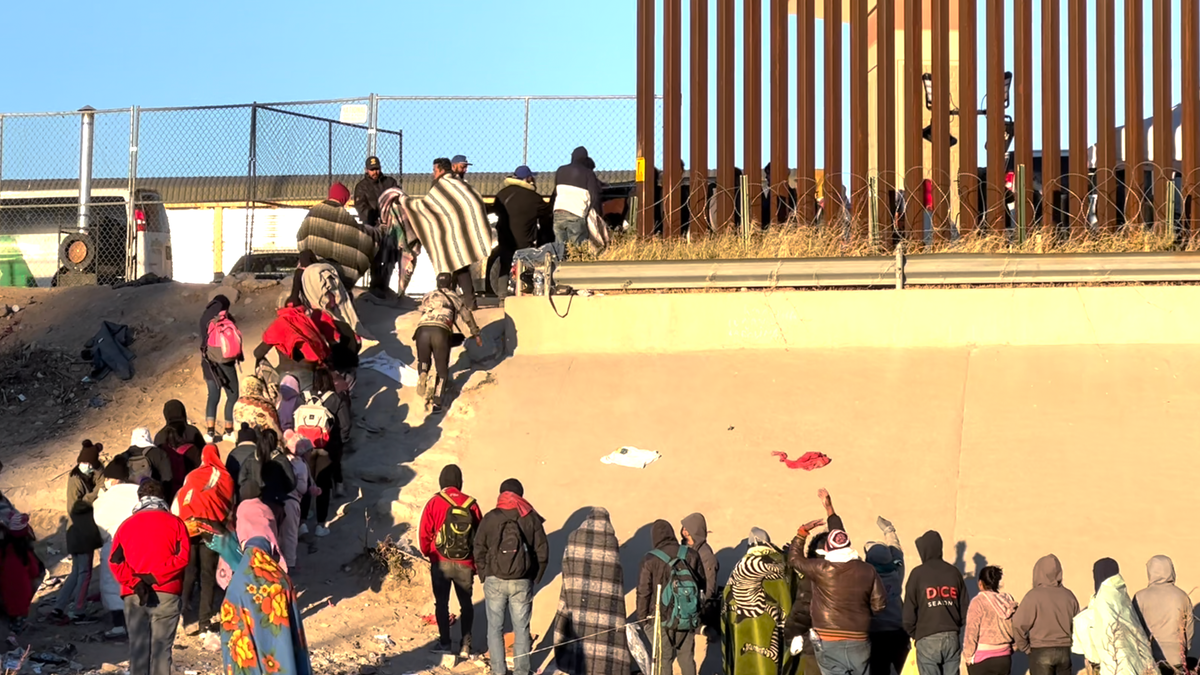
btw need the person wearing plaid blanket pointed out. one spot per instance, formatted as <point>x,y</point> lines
<point>589,628</point>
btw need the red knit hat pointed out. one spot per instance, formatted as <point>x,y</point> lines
<point>339,193</point>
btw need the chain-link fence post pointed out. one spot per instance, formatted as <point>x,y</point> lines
<point>372,123</point>
<point>131,224</point>
<point>1,149</point>
<point>87,137</point>
<point>525,146</point>
<point>329,171</point>
<point>251,178</point>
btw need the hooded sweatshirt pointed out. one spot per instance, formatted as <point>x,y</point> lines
<point>654,572</point>
<point>576,188</point>
<point>175,416</point>
<point>290,399</point>
<point>697,527</point>
<point>988,631</point>
<point>935,598</point>
<point>1165,612</point>
<point>888,560</point>
<point>1107,632</point>
<point>1044,617</point>
<point>207,493</point>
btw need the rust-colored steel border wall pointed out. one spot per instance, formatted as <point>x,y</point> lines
<point>1089,189</point>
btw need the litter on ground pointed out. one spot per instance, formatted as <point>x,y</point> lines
<point>632,457</point>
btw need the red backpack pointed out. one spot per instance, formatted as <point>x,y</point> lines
<point>178,465</point>
<point>224,339</point>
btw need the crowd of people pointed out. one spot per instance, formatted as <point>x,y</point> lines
<point>814,605</point>
<point>190,541</point>
<point>187,542</point>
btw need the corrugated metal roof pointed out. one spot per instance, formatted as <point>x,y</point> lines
<point>205,189</point>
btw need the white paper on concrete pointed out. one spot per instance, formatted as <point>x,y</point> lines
<point>632,457</point>
<point>391,366</point>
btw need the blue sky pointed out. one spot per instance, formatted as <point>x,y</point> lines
<point>126,52</point>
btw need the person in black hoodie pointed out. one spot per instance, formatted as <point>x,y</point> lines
<point>218,377</point>
<point>242,454</point>
<point>654,573</point>
<point>576,192</point>
<point>694,533</point>
<point>935,609</point>
<point>178,435</point>
<point>511,553</point>
<point>524,218</point>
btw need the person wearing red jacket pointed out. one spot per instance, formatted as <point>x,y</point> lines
<point>149,555</point>
<point>206,497</point>
<point>447,539</point>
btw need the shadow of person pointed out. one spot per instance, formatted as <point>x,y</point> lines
<point>970,577</point>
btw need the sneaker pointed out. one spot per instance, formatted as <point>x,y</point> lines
<point>464,652</point>
<point>422,381</point>
<point>116,633</point>
<point>303,529</point>
<point>339,490</point>
<point>323,531</point>
<point>211,436</point>
<point>441,648</point>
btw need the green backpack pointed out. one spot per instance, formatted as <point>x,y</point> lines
<point>681,596</point>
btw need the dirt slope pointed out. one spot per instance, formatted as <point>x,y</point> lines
<point>344,601</point>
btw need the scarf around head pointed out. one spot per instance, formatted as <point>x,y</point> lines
<point>512,501</point>
<point>151,504</point>
<point>141,438</point>
<point>841,555</point>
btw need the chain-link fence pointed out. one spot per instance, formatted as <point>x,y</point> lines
<point>223,181</point>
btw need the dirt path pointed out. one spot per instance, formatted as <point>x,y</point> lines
<point>355,622</point>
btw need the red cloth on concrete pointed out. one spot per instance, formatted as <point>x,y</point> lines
<point>808,462</point>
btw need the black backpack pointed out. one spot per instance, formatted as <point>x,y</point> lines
<point>139,464</point>
<point>456,538</point>
<point>512,557</point>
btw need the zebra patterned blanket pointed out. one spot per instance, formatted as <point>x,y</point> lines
<point>757,599</point>
<point>592,603</point>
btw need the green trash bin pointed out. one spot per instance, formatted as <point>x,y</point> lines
<point>14,271</point>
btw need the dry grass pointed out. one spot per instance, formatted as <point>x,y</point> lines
<point>810,242</point>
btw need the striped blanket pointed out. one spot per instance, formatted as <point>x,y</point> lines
<point>450,223</point>
<point>330,232</point>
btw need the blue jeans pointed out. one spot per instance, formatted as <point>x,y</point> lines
<point>939,654</point>
<point>229,372</point>
<point>843,657</point>
<point>515,596</point>
<point>570,228</point>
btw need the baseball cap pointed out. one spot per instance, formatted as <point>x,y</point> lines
<point>373,163</point>
<point>524,173</point>
<point>459,159</point>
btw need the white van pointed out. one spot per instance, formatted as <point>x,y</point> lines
<point>41,245</point>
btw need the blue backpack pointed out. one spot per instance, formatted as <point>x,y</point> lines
<point>681,596</point>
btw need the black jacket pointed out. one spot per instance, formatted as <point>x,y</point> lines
<point>366,197</point>
<point>277,479</point>
<point>521,212</point>
<point>579,173</point>
<point>654,572</point>
<point>487,542</point>
<point>935,597</point>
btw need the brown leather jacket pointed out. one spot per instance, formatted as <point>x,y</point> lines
<point>845,595</point>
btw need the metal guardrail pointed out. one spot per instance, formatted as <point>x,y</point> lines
<point>880,272</point>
